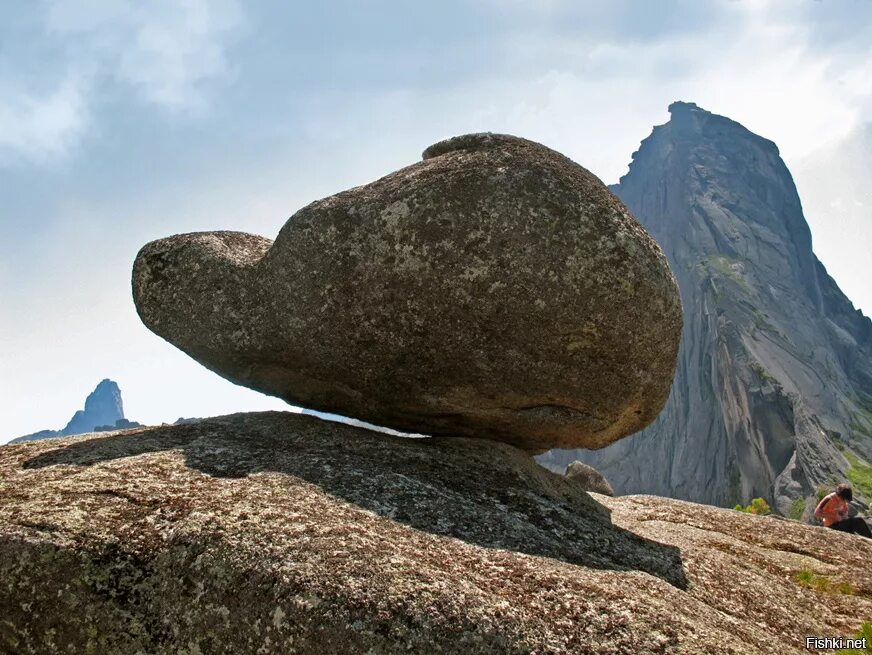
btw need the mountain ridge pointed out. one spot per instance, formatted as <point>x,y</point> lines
<point>773,394</point>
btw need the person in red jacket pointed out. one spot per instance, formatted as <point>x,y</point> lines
<point>833,511</point>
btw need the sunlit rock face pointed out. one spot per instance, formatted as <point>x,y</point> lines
<point>280,533</point>
<point>495,289</point>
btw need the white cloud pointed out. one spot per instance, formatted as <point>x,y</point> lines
<point>43,127</point>
<point>592,92</point>
<point>595,98</point>
<point>165,51</point>
<point>174,51</point>
<point>833,183</point>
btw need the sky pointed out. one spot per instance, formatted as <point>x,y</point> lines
<point>122,122</point>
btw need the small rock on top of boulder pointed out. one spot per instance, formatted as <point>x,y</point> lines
<point>495,289</point>
<point>588,478</point>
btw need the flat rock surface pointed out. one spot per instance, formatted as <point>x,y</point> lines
<point>281,533</point>
<point>495,289</point>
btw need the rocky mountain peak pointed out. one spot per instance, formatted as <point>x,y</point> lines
<point>720,162</point>
<point>103,409</point>
<point>103,406</point>
<point>773,395</point>
<point>680,106</point>
<point>106,397</point>
<point>710,190</point>
<point>688,119</point>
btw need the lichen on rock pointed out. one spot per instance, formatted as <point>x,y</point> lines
<point>495,289</point>
<point>280,533</point>
<point>588,478</point>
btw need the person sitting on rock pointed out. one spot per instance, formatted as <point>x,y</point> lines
<point>833,511</point>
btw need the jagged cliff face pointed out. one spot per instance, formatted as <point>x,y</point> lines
<point>773,393</point>
<point>103,406</point>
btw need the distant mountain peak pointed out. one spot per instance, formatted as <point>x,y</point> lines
<point>106,394</point>
<point>687,119</point>
<point>679,107</point>
<point>103,407</point>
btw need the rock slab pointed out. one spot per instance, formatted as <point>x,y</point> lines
<point>496,289</point>
<point>280,533</point>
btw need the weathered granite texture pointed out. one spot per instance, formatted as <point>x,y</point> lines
<point>774,383</point>
<point>279,533</point>
<point>495,289</point>
<point>588,478</point>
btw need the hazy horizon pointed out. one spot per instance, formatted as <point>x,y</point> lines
<point>120,125</point>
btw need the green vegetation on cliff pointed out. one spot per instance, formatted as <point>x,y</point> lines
<point>762,373</point>
<point>808,578</point>
<point>859,474</point>
<point>758,506</point>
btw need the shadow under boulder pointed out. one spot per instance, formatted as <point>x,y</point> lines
<point>282,533</point>
<point>483,492</point>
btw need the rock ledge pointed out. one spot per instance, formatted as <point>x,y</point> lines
<point>280,533</point>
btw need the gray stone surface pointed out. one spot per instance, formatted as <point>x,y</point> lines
<point>495,289</point>
<point>775,368</point>
<point>280,533</point>
<point>588,478</point>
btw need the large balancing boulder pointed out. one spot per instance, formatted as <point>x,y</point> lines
<point>495,289</point>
